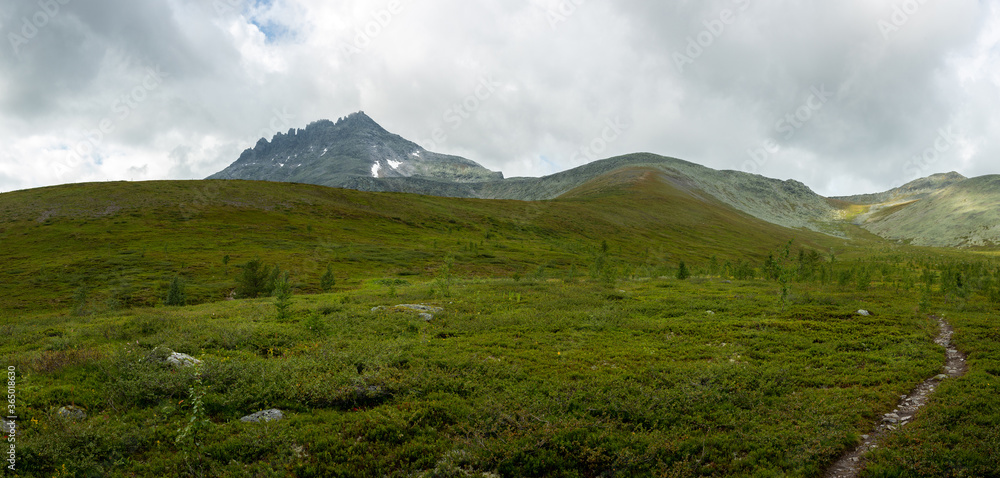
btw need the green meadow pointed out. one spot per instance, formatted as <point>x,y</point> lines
<point>567,343</point>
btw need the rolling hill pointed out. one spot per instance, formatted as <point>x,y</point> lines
<point>962,214</point>
<point>132,238</point>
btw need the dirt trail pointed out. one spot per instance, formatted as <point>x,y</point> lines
<point>849,465</point>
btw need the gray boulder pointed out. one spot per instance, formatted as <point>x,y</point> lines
<point>177,359</point>
<point>264,416</point>
<point>420,308</point>
<point>70,412</point>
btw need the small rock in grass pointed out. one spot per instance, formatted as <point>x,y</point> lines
<point>941,377</point>
<point>182,360</point>
<point>177,359</point>
<point>70,412</point>
<point>865,313</point>
<point>427,317</point>
<point>264,416</point>
<point>420,308</point>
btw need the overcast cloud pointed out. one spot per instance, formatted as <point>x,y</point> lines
<point>848,96</point>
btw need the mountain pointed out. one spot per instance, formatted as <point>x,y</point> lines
<point>786,203</point>
<point>911,191</point>
<point>942,210</point>
<point>964,213</point>
<point>357,153</point>
<point>338,154</point>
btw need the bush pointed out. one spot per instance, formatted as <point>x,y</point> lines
<point>317,325</point>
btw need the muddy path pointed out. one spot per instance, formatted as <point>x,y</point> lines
<point>852,462</point>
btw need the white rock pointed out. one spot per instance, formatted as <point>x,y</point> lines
<point>864,313</point>
<point>180,360</point>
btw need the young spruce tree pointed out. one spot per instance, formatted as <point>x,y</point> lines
<point>682,271</point>
<point>327,281</point>
<point>176,295</point>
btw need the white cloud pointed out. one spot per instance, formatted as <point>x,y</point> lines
<point>558,71</point>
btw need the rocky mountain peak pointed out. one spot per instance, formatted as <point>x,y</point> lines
<point>338,153</point>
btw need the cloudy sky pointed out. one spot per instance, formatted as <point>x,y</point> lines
<point>848,96</point>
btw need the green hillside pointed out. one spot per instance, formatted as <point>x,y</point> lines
<point>964,214</point>
<point>111,238</point>
<point>562,337</point>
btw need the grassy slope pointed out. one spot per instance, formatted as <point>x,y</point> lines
<point>962,215</point>
<point>139,235</point>
<point>520,378</point>
<point>547,376</point>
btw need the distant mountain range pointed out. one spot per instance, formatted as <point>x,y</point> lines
<point>945,210</point>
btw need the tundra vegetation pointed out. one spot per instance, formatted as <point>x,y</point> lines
<point>702,343</point>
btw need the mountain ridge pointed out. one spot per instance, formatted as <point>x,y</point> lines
<point>364,156</point>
